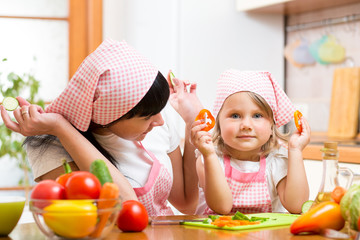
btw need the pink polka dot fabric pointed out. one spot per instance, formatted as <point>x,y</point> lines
<point>108,83</point>
<point>262,83</point>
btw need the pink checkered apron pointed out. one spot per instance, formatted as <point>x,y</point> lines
<point>156,191</point>
<point>249,190</point>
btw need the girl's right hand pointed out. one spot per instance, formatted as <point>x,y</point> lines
<point>201,139</point>
<point>31,119</point>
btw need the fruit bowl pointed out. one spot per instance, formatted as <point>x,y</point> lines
<point>75,219</point>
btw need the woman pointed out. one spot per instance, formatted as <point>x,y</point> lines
<point>109,110</point>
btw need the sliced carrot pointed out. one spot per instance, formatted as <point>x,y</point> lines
<point>338,193</point>
<point>227,221</point>
<point>109,192</point>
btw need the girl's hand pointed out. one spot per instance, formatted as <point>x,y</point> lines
<point>184,101</point>
<point>201,139</point>
<point>31,119</point>
<point>300,140</point>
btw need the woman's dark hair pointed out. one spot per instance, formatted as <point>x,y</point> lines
<point>151,104</point>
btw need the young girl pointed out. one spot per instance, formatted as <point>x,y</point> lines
<point>113,109</point>
<point>244,166</point>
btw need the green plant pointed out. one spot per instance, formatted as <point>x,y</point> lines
<point>11,142</point>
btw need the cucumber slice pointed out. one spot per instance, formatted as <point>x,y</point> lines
<point>306,206</point>
<point>171,78</point>
<point>10,103</point>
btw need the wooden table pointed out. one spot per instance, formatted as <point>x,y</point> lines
<point>29,231</point>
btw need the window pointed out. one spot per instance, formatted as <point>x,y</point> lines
<point>49,38</point>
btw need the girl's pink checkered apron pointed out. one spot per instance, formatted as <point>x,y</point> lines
<point>156,191</point>
<point>249,190</point>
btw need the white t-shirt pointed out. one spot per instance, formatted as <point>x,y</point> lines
<point>133,162</point>
<point>276,169</point>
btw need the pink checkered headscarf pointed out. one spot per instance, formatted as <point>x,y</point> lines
<point>262,83</point>
<point>108,83</point>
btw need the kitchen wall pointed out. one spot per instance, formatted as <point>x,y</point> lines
<point>310,86</point>
<point>198,39</point>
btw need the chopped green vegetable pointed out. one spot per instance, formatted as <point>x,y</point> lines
<point>213,217</point>
<point>258,219</point>
<point>240,216</point>
<point>207,221</point>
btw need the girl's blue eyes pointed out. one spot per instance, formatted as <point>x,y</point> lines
<point>256,115</point>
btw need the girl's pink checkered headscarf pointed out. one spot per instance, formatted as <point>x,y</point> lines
<point>108,83</point>
<point>262,83</point>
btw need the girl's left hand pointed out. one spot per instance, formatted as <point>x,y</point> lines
<point>300,140</point>
<point>184,101</point>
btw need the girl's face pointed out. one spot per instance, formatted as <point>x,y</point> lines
<point>244,126</point>
<point>136,128</point>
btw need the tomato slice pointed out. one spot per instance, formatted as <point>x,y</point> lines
<point>206,117</point>
<point>297,117</point>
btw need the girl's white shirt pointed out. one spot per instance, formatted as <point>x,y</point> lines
<point>132,161</point>
<point>276,169</point>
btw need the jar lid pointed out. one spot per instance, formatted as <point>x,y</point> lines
<point>330,147</point>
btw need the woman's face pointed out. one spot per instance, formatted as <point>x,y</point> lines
<point>136,128</point>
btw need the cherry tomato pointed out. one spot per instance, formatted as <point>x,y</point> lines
<point>206,117</point>
<point>297,117</point>
<point>82,185</point>
<point>133,217</point>
<point>47,189</point>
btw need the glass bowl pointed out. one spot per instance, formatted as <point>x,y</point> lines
<point>75,219</point>
<point>11,208</point>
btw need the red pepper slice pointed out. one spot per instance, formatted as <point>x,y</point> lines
<point>297,117</point>
<point>206,117</point>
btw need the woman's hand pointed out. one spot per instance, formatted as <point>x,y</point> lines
<point>184,101</point>
<point>31,119</point>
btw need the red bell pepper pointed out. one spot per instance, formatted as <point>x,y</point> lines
<point>322,216</point>
<point>206,117</point>
<point>297,117</point>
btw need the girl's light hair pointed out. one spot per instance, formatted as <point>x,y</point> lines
<point>275,139</point>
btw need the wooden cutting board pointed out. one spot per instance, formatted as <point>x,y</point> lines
<point>275,220</point>
<point>344,107</point>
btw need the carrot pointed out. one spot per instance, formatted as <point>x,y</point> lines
<point>109,192</point>
<point>338,193</point>
<point>223,221</point>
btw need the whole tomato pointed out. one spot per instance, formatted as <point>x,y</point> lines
<point>82,185</point>
<point>133,217</point>
<point>47,189</point>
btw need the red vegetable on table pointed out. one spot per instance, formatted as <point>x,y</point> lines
<point>133,217</point>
